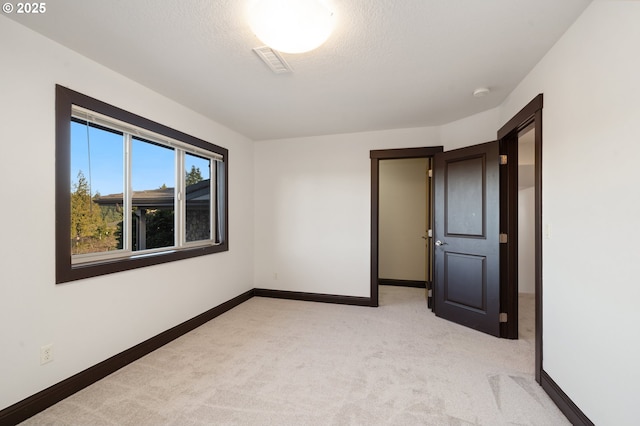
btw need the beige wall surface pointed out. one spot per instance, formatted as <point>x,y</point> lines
<point>403,219</point>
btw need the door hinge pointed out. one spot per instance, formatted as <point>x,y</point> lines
<point>503,317</point>
<point>503,160</point>
<point>503,238</point>
<point>430,293</point>
<point>430,173</point>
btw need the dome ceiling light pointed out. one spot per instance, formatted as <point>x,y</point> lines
<point>291,26</point>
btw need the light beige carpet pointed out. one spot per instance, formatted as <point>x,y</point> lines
<point>281,362</point>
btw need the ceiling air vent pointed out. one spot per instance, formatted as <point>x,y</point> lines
<point>273,59</point>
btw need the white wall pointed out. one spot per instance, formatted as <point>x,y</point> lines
<point>313,203</point>
<point>402,219</point>
<point>477,129</point>
<point>91,320</point>
<point>591,263</point>
<point>526,240</point>
<point>313,209</point>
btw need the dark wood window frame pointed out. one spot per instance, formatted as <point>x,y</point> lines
<point>65,270</point>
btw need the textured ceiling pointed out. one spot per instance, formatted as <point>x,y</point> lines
<point>388,64</point>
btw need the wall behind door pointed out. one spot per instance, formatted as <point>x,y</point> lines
<point>403,217</point>
<point>526,241</point>
<point>526,210</point>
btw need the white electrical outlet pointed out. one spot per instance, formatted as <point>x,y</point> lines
<point>46,353</point>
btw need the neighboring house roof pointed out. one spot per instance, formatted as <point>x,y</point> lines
<point>198,193</point>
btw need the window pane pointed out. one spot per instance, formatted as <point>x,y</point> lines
<point>198,205</point>
<point>153,184</point>
<point>96,189</point>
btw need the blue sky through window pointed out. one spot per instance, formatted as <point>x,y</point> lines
<point>105,151</point>
<point>152,165</point>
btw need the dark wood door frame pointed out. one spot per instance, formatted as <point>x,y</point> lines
<point>508,137</point>
<point>376,156</point>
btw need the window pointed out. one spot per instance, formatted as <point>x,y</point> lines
<point>131,192</point>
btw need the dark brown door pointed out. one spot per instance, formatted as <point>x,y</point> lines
<point>467,251</point>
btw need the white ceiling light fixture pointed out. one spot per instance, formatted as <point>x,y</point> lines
<point>291,26</point>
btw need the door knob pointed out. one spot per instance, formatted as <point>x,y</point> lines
<point>440,243</point>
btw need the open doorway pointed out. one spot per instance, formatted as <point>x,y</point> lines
<point>523,132</point>
<point>526,234</point>
<point>377,156</point>
<point>405,220</point>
